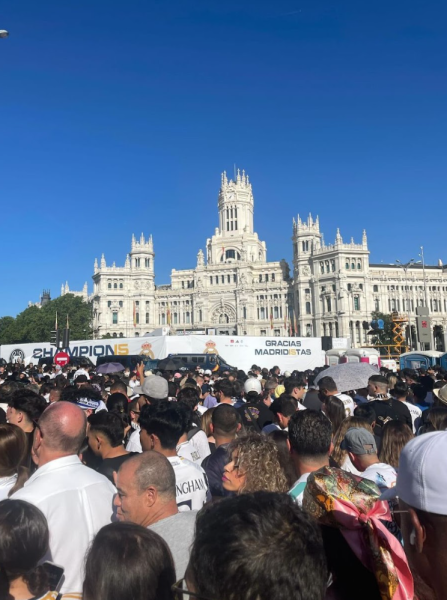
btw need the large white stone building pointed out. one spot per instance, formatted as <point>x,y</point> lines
<point>233,289</point>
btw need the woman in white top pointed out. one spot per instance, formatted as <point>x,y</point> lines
<point>13,451</point>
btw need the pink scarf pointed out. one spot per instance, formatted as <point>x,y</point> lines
<point>340,499</point>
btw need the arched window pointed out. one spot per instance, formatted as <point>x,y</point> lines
<point>347,265</point>
<point>359,265</point>
<point>230,254</point>
<point>115,286</point>
<point>333,265</point>
<point>327,266</point>
<point>200,315</point>
<point>353,266</point>
<point>308,309</point>
<point>244,312</point>
<point>121,286</point>
<point>109,285</point>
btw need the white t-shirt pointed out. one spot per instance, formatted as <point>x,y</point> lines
<point>187,450</point>
<point>415,413</point>
<point>383,475</point>
<point>200,443</point>
<point>298,488</point>
<point>134,443</point>
<point>6,483</point>
<point>349,404</point>
<point>192,489</point>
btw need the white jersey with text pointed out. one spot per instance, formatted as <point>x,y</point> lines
<point>192,489</point>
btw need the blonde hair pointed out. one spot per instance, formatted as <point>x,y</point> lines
<point>392,380</point>
<point>259,460</point>
<point>338,456</point>
<point>395,435</point>
<point>205,421</point>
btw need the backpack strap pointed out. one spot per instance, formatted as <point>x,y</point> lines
<point>192,432</point>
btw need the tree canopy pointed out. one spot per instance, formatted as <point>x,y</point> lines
<point>34,324</point>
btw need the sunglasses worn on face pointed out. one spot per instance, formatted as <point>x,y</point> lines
<point>181,593</point>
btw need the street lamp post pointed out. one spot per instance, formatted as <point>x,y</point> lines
<point>426,295</point>
<point>405,268</point>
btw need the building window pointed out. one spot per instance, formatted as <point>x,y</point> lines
<point>121,286</point>
<point>200,315</point>
<point>228,278</point>
<point>147,318</point>
<point>276,332</point>
<point>376,305</point>
<point>109,303</point>
<point>234,278</point>
<point>276,313</point>
<point>321,267</point>
<point>349,287</point>
<point>307,291</point>
<point>188,317</point>
<point>333,265</point>
<point>222,278</point>
<point>361,286</point>
<point>329,304</point>
<point>356,303</point>
<point>263,332</point>
<point>273,277</point>
<point>260,278</point>
<point>266,277</point>
<point>359,265</point>
<point>211,281</point>
<point>347,265</point>
<point>230,254</point>
<point>109,285</point>
<point>308,309</point>
<point>244,312</point>
<point>175,318</point>
<point>183,285</point>
<point>115,286</point>
<point>305,246</point>
<point>217,279</point>
<point>137,318</point>
<point>333,287</point>
<point>262,313</point>
<point>327,266</point>
<point>375,288</point>
<point>115,318</point>
<point>352,266</point>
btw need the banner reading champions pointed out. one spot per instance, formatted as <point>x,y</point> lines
<point>238,351</point>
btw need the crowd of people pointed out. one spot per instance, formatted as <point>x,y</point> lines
<point>221,485</point>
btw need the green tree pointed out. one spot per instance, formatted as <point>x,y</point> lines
<point>386,335</point>
<point>35,324</point>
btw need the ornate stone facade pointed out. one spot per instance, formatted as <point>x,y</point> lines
<point>334,288</point>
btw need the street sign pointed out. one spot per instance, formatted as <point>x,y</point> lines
<point>61,359</point>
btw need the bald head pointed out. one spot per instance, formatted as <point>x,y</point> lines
<point>63,426</point>
<point>152,469</point>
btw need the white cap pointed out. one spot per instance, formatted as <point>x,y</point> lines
<point>287,373</point>
<point>207,372</point>
<point>422,476</point>
<point>252,385</point>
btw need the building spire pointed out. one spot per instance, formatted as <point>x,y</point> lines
<point>338,238</point>
<point>364,239</point>
<point>103,261</point>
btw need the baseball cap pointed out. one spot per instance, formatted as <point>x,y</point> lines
<point>287,373</point>
<point>422,476</point>
<point>441,393</point>
<point>359,441</point>
<point>155,387</point>
<point>252,385</point>
<point>207,371</point>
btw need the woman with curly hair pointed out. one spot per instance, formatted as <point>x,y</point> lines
<point>255,466</point>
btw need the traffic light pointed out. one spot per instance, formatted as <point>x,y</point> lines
<point>66,338</point>
<point>55,338</point>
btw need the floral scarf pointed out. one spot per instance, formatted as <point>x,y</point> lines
<point>340,499</point>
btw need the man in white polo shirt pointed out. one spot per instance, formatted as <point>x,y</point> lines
<point>75,499</point>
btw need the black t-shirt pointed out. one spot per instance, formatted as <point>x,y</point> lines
<point>255,416</point>
<point>214,467</point>
<point>312,401</point>
<point>390,409</point>
<point>109,465</point>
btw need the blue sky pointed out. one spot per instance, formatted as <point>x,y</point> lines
<point>118,117</point>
